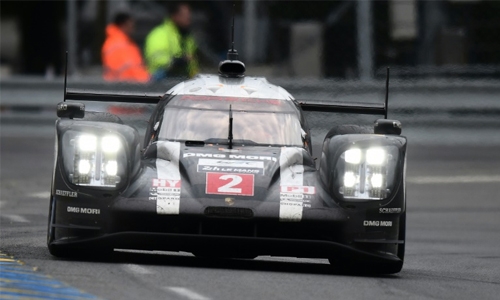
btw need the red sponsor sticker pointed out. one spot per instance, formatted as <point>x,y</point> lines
<point>166,183</point>
<point>311,190</point>
<point>230,184</point>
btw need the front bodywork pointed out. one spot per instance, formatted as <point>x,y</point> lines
<point>246,201</point>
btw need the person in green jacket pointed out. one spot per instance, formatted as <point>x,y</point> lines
<point>170,49</point>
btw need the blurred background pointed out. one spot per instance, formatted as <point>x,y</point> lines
<point>315,39</point>
<point>444,57</point>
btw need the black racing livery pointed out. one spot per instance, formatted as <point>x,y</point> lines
<point>225,169</point>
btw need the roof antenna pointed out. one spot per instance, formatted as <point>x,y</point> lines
<point>387,93</point>
<point>65,75</point>
<point>230,135</point>
<point>232,54</point>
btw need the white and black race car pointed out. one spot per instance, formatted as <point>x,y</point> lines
<point>225,169</point>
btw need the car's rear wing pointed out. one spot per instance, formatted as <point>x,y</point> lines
<point>102,96</point>
<point>344,107</point>
<point>350,107</point>
<point>306,105</point>
<point>154,98</point>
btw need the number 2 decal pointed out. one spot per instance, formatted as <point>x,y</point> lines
<point>229,187</point>
<point>230,184</point>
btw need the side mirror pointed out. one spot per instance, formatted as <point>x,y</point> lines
<point>71,110</point>
<point>383,126</point>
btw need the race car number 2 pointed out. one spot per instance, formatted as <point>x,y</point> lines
<point>230,184</point>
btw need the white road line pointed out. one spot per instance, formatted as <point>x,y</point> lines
<point>2,203</point>
<point>454,179</point>
<point>43,195</point>
<point>137,269</point>
<point>186,293</point>
<point>16,218</point>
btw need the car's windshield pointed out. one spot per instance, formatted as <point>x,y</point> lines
<point>255,121</point>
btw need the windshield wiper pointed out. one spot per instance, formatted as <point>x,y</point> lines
<point>230,135</point>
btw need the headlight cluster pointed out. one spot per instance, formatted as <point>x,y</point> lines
<point>366,173</point>
<point>95,160</point>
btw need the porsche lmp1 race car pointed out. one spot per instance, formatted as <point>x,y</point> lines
<point>225,169</point>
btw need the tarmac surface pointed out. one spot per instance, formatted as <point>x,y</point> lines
<point>452,249</point>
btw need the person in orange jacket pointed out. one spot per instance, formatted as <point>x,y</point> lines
<point>121,57</point>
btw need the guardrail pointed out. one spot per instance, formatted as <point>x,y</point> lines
<point>443,100</point>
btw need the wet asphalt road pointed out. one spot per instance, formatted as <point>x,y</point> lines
<point>453,240</point>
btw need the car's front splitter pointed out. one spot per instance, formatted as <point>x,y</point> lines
<point>229,244</point>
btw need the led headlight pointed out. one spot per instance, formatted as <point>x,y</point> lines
<point>377,181</point>
<point>92,160</point>
<point>110,144</point>
<point>375,156</point>
<point>84,166</point>
<point>366,174</point>
<point>350,179</point>
<point>353,156</point>
<point>111,168</point>
<point>87,143</point>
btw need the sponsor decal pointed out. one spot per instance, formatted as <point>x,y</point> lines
<point>167,183</point>
<point>167,193</point>
<point>83,210</point>
<point>66,193</point>
<point>230,156</point>
<point>368,223</point>
<point>310,190</point>
<point>290,211</point>
<point>166,189</point>
<point>389,210</point>
<point>304,200</point>
<point>292,196</point>
<point>168,197</point>
<point>161,190</point>
<point>229,184</point>
<point>230,166</point>
<point>295,202</point>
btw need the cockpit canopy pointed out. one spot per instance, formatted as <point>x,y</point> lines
<point>256,121</point>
